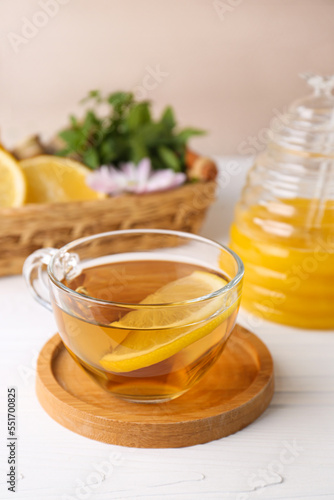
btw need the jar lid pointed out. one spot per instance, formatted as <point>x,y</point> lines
<point>309,123</point>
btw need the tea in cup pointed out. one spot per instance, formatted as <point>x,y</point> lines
<point>145,312</point>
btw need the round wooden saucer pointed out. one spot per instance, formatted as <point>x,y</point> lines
<point>235,391</point>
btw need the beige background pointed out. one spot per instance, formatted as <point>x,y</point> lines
<point>229,65</point>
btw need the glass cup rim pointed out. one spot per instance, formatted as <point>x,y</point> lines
<point>226,288</point>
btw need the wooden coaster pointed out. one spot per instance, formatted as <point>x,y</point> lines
<point>235,391</point>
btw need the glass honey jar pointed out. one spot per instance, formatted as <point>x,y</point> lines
<point>284,222</point>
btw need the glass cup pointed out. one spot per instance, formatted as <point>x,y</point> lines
<point>145,312</point>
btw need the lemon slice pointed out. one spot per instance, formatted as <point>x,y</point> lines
<point>197,284</point>
<point>53,179</point>
<point>145,344</point>
<point>12,181</point>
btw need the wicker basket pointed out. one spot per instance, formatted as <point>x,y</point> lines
<point>25,229</point>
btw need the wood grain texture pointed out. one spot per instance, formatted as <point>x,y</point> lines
<point>233,394</point>
<point>26,229</point>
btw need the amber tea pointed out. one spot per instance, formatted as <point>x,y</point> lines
<point>146,337</point>
<point>145,312</point>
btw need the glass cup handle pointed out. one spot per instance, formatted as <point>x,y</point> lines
<point>35,278</point>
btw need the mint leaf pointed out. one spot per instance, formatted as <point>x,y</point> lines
<point>73,138</point>
<point>169,158</point>
<point>138,115</point>
<point>168,119</point>
<point>108,151</point>
<point>94,95</point>
<point>138,151</point>
<point>91,158</point>
<point>74,121</point>
<point>187,133</point>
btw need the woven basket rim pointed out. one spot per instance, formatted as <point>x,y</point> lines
<point>107,199</point>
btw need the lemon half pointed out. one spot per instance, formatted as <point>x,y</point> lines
<point>54,179</point>
<point>12,181</point>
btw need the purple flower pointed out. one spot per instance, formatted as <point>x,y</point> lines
<point>133,179</point>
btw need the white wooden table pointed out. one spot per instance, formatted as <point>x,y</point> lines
<point>288,453</point>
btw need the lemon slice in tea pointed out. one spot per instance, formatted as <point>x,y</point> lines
<point>158,333</point>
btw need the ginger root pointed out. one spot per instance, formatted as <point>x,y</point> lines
<point>200,167</point>
<point>30,147</point>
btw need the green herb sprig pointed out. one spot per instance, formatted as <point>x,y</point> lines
<point>128,133</point>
